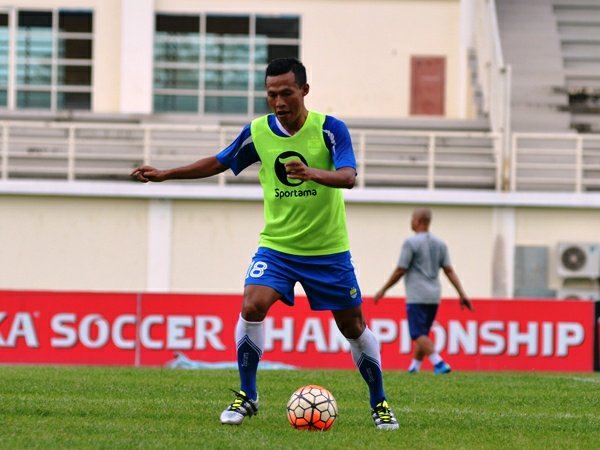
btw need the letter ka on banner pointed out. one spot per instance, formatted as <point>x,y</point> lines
<point>148,329</point>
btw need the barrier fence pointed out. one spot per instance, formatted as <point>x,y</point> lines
<point>433,159</point>
<point>134,329</point>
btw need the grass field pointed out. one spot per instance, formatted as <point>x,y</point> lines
<point>121,408</point>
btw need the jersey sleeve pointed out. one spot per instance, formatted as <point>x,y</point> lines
<point>445,257</point>
<point>240,154</point>
<point>338,141</point>
<point>406,255</point>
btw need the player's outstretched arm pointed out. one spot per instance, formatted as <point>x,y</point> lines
<point>203,168</point>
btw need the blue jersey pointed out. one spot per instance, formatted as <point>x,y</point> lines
<point>241,153</point>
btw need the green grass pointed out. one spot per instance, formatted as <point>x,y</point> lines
<point>121,408</point>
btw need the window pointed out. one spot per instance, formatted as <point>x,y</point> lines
<point>53,60</point>
<point>4,62</point>
<point>214,63</point>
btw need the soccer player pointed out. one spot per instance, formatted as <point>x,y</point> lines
<point>421,258</point>
<point>306,159</point>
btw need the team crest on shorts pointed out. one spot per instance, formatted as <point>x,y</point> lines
<point>353,292</point>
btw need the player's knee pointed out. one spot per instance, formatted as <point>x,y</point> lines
<point>352,329</point>
<point>253,311</point>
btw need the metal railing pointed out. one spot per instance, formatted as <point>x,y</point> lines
<point>494,75</point>
<point>555,162</point>
<point>385,158</point>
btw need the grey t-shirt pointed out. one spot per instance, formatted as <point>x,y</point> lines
<point>422,256</point>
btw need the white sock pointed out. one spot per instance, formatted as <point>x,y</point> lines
<point>366,343</point>
<point>415,364</point>
<point>435,358</point>
<point>254,331</point>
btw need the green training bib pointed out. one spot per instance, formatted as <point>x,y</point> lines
<point>301,218</point>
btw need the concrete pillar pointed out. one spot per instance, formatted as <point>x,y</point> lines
<point>137,52</point>
<point>503,262</point>
<point>159,246</point>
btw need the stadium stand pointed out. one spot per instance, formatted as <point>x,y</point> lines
<point>386,157</point>
<point>555,63</point>
<point>578,24</point>
<point>534,104</point>
<point>532,48</point>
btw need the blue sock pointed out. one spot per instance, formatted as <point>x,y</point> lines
<point>371,373</point>
<point>250,341</point>
<point>366,355</point>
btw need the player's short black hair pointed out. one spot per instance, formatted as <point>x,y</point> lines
<point>281,66</point>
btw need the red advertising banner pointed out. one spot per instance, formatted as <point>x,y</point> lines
<point>67,328</point>
<point>150,329</point>
<point>597,339</point>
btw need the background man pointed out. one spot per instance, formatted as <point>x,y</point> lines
<point>421,258</point>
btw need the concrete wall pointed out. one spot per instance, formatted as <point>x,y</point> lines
<point>357,52</point>
<point>377,232</point>
<point>176,238</point>
<point>72,243</point>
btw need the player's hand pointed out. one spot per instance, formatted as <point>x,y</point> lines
<point>378,296</point>
<point>466,303</point>
<point>147,173</point>
<point>297,170</point>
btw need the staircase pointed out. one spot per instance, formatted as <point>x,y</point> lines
<point>531,45</point>
<point>578,25</point>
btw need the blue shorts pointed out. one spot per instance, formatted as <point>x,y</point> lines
<point>329,281</point>
<point>420,318</point>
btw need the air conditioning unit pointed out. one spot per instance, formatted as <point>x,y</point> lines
<point>578,260</point>
<point>578,294</point>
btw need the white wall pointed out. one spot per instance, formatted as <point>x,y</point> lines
<point>541,227</point>
<point>172,237</point>
<point>137,55</point>
<point>365,70</point>
<point>357,51</point>
<point>106,74</point>
<point>72,243</point>
<point>377,233</point>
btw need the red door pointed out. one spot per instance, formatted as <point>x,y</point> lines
<point>427,86</point>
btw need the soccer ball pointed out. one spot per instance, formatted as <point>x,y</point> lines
<point>313,408</point>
